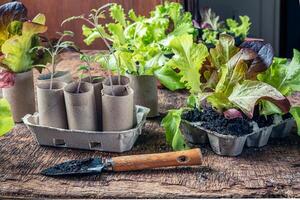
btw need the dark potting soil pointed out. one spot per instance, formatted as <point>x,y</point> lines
<point>263,121</point>
<point>215,121</point>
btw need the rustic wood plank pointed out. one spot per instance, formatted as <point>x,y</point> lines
<point>272,171</point>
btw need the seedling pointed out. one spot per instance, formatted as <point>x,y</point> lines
<point>54,50</point>
<point>93,20</point>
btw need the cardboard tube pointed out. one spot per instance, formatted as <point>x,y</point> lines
<point>145,92</point>
<point>21,96</point>
<point>118,112</point>
<point>97,83</point>
<point>51,105</point>
<point>81,107</point>
<point>123,80</point>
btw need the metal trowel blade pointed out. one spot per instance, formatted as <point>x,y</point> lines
<point>91,166</point>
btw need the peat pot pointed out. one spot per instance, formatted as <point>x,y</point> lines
<point>81,107</point>
<point>118,110</point>
<point>60,76</point>
<point>97,83</point>
<point>124,81</point>
<point>21,95</point>
<point>145,92</point>
<point>51,105</point>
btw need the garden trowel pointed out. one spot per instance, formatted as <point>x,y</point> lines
<point>93,166</point>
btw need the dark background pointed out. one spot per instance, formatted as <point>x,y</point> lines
<point>277,21</point>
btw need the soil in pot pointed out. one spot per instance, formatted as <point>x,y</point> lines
<point>81,107</point>
<point>97,83</point>
<point>51,105</point>
<point>118,109</point>
<point>62,76</point>
<point>214,121</point>
<point>21,96</point>
<point>145,92</point>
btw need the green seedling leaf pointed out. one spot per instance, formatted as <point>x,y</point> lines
<point>6,119</point>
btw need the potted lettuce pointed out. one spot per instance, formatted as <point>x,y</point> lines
<point>18,37</point>
<point>284,76</point>
<point>225,91</point>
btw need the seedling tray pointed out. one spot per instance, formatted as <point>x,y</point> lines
<point>108,141</point>
<point>283,129</point>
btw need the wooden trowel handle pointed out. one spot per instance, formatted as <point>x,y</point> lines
<point>150,161</point>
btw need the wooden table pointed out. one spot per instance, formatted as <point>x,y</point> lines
<point>272,171</point>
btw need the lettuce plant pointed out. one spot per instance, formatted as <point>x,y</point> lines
<point>6,119</point>
<point>227,81</point>
<point>17,37</point>
<point>211,27</point>
<point>284,76</point>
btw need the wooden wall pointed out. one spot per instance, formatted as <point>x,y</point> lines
<point>58,10</point>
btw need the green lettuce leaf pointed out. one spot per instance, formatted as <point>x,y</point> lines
<point>6,119</point>
<point>295,111</point>
<point>17,49</point>
<point>171,124</point>
<point>188,58</point>
<point>239,29</point>
<point>225,49</point>
<point>169,78</point>
<point>117,13</point>
<point>210,36</point>
<point>9,12</point>
<point>246,95</point>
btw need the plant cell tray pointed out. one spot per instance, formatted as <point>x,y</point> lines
<point>108,141</point>
<point>229,145</point>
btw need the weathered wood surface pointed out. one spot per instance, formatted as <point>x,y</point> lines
<point>273,171</point>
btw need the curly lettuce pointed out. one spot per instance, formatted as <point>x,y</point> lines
<point>18,56</point>
<point>11,15</point>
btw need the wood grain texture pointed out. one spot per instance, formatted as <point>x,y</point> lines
<point>58,10</point>
<point>272,171</point>
<point>151,161</point>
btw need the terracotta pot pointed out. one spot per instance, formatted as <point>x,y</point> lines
<point>145,92</point>
<point>81,107</point>
<point>21,96</point>
<point>123,80</point>
<point>60,76</point>
<point>118,111</point>
<point>97,83</point>
<point>51,105</point>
